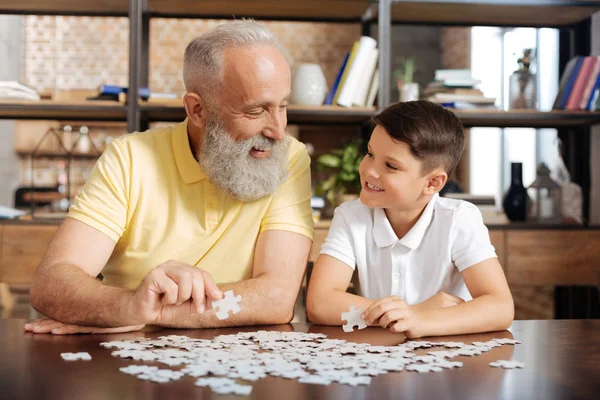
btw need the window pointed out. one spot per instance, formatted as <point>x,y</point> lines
<point>494,54</point>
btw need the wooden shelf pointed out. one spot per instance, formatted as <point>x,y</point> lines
<point>309,10</point>
<point>296,114</point>
<point>527,118</point>
<point>534,13</point>
<point>116,8</point>
<point>72,110</point>
<point>53,154</point>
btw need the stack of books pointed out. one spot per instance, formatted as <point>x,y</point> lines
<point>456,88</point>
<point>579,87</point>
<point>357,80</point>
<point>13,90</point>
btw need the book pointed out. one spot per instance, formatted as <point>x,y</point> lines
<point>14,90</point>
<point>362,90</point>
<point>338,92</point>
<point>373,89</point>
<point>433,90</point>
<point>111,90</point>
<point>365,47</point>
<point>591,106</point>
<point>588,86</point>
<point>565,83</point>
<point>577,92</point>
<point>450,97</point>
<point>453,74</point>
<point>336,82</point>
<point>455,83</point>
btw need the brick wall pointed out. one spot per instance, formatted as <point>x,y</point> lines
<point>84,52</point>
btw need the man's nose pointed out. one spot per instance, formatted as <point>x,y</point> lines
<point>276,127</point>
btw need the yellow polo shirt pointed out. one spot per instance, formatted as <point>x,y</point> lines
<point>149,194</point>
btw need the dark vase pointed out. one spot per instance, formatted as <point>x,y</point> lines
<point>515,200</point>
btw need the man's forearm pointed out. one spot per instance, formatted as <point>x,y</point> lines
<point>483,314</point>
<point>263,303</point>
<point>79,299</point>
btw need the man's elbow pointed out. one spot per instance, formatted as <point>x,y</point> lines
<point>37,295</point>
<point>279,315</point>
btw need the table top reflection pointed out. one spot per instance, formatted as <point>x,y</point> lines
<point>562,360</point>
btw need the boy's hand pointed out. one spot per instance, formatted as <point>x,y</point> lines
<point>393,313</point>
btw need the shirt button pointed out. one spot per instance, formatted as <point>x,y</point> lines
<point>396,276</point>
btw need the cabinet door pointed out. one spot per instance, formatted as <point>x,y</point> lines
<point>319,237</point>
<point>23,247</point>
<point>553,257</point>
<point>498,239</point>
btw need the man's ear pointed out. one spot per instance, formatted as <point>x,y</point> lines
<point>436,180</point>
<point>195,108</point>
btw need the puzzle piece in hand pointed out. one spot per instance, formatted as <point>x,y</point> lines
<point>229,302</point>
<point>507,364</point>
<point>353,319</point>
<point>76,356</point>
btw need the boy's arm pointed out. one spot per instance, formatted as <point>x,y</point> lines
<point>491,309</point>
<point>327,298</point>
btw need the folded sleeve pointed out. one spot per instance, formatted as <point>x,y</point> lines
<point>470,239</point>
<point>290,208</point>
<point>338,243</point>
<point>102,203</point>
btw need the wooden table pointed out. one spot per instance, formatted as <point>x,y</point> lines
<point>562,362</point>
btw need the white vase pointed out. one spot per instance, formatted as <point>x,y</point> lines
<point>409,92</point>
<point>309,86</point>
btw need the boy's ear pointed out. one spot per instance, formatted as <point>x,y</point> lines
<point>436,180</point>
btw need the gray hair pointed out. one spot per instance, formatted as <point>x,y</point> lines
<point>203,57</point>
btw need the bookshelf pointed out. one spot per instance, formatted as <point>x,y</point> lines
<point>296,114</point>
<point>98,8</point>
<point>63,110</point>
<point>305,10</point>
<point>527,118</point>
<point>532,13</point>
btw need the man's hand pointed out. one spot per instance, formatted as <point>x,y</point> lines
<point>48,325</point>
<point>393,313</point>
<point>173,288</point>
<point>440,300</point>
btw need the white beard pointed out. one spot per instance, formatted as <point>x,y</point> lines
<point>229,165</point>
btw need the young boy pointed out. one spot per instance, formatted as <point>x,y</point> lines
<point>416,255</point>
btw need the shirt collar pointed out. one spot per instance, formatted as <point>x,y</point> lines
<point>384,234</point>
<point>188,167</point>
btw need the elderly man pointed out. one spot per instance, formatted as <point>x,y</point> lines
<point>173,217</point>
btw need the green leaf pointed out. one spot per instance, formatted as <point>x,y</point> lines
<point>347,176</point>
<point>328,184</point>
<point>329,160</point>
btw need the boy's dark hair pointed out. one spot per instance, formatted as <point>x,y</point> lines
<point>434,134</point>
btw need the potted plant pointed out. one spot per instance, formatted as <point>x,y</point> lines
<point>344,183</point>
<point>404,75</point>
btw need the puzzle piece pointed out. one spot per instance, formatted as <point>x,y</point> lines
<point>228,303</point>
<point>76,356</point>
<point>422,368</point>
<point>353,319</point>
<point>507,364</point>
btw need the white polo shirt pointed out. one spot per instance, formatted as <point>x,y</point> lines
<point>448,238</point>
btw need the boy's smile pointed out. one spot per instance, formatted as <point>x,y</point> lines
<point>371,188</point>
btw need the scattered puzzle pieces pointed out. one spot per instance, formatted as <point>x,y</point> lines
<point>229,302</point>
<point>507,364</point>
<point>76,356</point>
<point>353,319</point>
